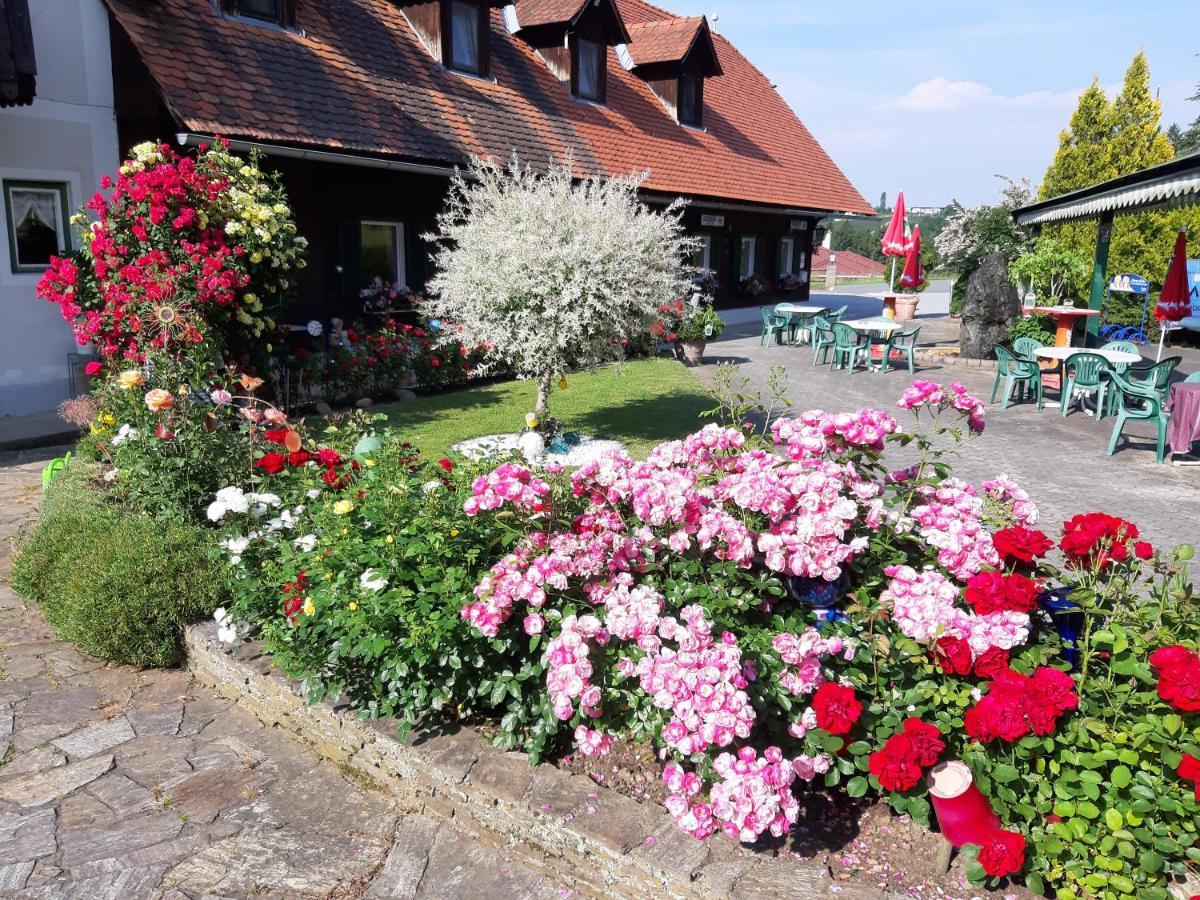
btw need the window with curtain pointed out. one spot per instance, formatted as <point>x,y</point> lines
<point>703,257</point>
<point>268,10</point>
<point>689,100</point>
<point>464,37</point>
<point>590,78</point>
<point>382,253</point>
<point>787,256</point>
<point>747,256</point>
<point>36,215</point>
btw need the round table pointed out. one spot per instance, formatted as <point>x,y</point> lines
<point>803,311</point>
<point>1064,319</point>
<point>876,323</point>
<point>1116,357</point>
<point>1184,427</point>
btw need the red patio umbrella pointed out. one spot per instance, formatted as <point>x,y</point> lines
<point>1174,303</point>
<point>896,240</point>
<point>913,275</point>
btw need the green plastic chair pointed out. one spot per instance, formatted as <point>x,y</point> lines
<point>848,344</point>
<point>1019,374</point>
<point>1027,347</point>
<point>1157,376</point>
<point>1085,372</point>
<point>837,314</point>
<point>1138,402</point>
<point>1123,347</point>
<point>901,341</point>
<point>772,324</point>
<point>1192,379</point>
<point>822,339</point>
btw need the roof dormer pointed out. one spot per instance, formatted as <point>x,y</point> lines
<point>673,57</point>
<point>573,37</point>
<point>457,33</point>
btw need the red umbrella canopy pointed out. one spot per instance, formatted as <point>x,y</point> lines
<point>913,275</point>
<point>895,241</point>
<point>1174,303</point>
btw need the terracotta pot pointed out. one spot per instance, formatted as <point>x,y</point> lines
<point>906,307</point>
<point>693,352</point>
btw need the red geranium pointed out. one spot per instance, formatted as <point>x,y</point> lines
<point>1003,853</point>
<point>329,458</point>
<point>1021,544</point>
<point>1143,550</point>
<point>1189,770</point>
<point>991,662</point>
<point>990,592</point>
<point>1178,671</point>
<point>93,368</point>
<point>271,463</point>
<point>836,707</point>
<point>298,457</point>
<point>953,655</point>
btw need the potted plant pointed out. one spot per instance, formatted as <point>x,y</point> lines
<point>753,285</point>
<point>699,325</point>
<point>789,282</point>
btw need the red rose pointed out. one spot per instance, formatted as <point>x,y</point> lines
<point>446,464</point>
<point>1142,550</point>
<point>277,435</point>
<point>1097,538</point>
<point>894,765</point>
<point>298,457</point>
<point>953,655</point>
<point>271,463</point>
<point>1168,659</point>
<point>163,433</point>
<point>1003,853</point>
<point>1021,544</point>
<point>93,368</point>
<point>1178,671</point>
<point>991,662</point>
<point>926,740</point>
<point>329,458</point>
<point>1189,770</point>
<point>330,477</point>
<point>836,708</point>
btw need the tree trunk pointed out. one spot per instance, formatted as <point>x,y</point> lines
<point>542,410</point>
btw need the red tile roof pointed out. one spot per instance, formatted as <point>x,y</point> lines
<point>668,40</point>
<point>849,264</point>
<point>547,12</point>
<point>357,79</point>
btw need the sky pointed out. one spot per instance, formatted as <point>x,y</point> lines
<point>943,95</point>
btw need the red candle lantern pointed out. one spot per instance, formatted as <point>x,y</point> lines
<point>963,813</point>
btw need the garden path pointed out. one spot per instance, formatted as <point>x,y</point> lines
<point>1060,461</point>
<point>118,783</point>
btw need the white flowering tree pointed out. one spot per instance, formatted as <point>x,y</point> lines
<point>551,272</point>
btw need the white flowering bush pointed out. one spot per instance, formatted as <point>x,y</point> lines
<point>551,273</point>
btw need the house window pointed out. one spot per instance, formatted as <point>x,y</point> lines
<point>465,37</point>
<point>787,256</point>
<point>589,69</point>
<point>36,217</point>
<point>279,12</point>
<point>703,257</point>
<point>747,257</point>
<point>382,253</point>
<point>690,100</point>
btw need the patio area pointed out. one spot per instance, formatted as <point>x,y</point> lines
<point>1061,461</point>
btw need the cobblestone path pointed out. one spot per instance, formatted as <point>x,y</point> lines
<point>118,783</point>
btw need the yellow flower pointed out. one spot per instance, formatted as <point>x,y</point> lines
<point>309,606</point>
<point>369,463</point>
<point>531,420</point>
<point>158,400</point>
<point>562,383</point>
<point>130,378</point>
<point>329,576</point>
<point>255,257</point>
<point>390,539</point>
<point>353,606</point>
<point>453,532</point>
<point>107,418</point>
<point>343,507</point>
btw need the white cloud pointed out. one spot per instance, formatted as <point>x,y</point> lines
<point>939,94</point>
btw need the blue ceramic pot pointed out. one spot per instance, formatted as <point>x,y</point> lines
<point>1066,616</point>
<point>821,595</point>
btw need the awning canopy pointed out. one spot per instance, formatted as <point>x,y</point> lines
<point>1167,185</point>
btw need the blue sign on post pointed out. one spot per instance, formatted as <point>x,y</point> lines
<point>1193,271</point>
<point>1129,284</point>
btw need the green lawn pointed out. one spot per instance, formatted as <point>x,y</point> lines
<point>641,403</point>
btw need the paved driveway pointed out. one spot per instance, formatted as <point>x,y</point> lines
<point>1061,462</point>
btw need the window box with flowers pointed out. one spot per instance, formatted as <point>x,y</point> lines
<point>754,285</point>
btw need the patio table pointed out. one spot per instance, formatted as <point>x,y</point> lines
<point>1184,427</point>
<point>1064,319</point>
<point>801,311</point>
<point>1061,354</point>
<point>882,324</point>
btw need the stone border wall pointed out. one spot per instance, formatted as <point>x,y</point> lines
<point>579,834</point>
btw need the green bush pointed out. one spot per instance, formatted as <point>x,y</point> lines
<point>1030,326</point>
<point>118,585</point>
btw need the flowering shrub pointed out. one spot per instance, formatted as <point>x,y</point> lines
<point>183,250</point>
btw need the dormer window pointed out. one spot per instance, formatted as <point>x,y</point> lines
<point>691,103</point>
<point>465,36</point>
<point>673,57</point>
<point>590,69</point>
<point>277,12</point>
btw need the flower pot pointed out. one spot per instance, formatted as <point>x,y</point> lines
<point>693,352</point>
<point>964,815</point>
<point>1067,618</point>
<point>906,307</point>
<point>817,593</point>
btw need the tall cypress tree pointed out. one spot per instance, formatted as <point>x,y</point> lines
<point>1084,154</point>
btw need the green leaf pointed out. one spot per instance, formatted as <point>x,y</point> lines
<point>1004,773</point>
<point>857,786</point>
<point>1113,819</point>
<point>1121,777</point>
<point>1088,810</point>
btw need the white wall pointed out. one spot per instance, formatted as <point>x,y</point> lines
<point>68,135</point>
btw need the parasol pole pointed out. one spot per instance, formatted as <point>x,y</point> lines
<point>892,284</point>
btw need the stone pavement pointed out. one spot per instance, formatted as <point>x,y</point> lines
<point>117,783</point>
<point>1061,462</point>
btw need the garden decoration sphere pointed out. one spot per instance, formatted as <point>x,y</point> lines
<point>315,328</point>
<point>821,595</point>
<point>532,446</point>
<point>1067,618</point>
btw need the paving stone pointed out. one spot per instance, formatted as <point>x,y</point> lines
<point>24,666</point>
<point>43,787</point>
<point>782,878</point>
<point>507,775</point>
<point>461,869</point>
<point>163,719</point>
<point>454,753</point>
<point>407,860</point>
<point>161,856</point>
<point>95,738</point>
<point>52,713</point>
<point>14,876</point>
<point>122,795</point>
<point>205,794</point>
<point>6,729</point>
<point>36,760</point>
<point>718,878</point>
<point>81,808</point>
<point>84,843</point>
<point>27,837</point>
<point>154,760</point>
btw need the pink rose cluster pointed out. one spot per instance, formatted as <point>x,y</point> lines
<point>509,483</point>
<point>568,669</point>
<point>707,451</point>
<point>950,516</point>
<point>804,655</point>
<point>923,394</point>
<point>815,432</point>
<point>1005,491</point>
<point>592,742</point>
<point>924,607</point>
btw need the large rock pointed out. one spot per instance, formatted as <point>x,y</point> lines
<point>991,307</point>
